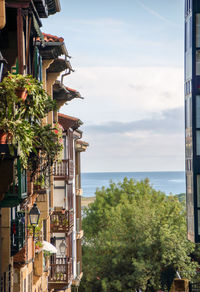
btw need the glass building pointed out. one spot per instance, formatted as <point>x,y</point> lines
<point>192,117</point>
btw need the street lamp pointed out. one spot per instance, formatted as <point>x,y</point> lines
<point>62,248</point>
<point>34,216</point>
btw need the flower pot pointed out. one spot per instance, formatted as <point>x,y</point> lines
<point>21,93</point>
<point>4,137</point>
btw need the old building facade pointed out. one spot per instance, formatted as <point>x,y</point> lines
<point>45,256</point>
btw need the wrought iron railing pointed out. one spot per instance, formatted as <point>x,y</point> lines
<point>61,270</point>
<point>62,221</point>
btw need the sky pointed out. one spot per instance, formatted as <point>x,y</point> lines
<point>128,61</point>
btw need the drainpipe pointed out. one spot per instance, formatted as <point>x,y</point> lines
<point>65,74</point>
<point>2,14</point>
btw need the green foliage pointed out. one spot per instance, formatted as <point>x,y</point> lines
<point>22,120</point>
<point>181,197</point>
<point>135,238</point>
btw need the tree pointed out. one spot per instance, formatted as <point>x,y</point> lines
<point>135,238</point>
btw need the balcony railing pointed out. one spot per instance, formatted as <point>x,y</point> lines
<point>64,169</point>
<point>61,270</point>
<point>62,221</point>
<point>61,169</point>
<point>17,233</point>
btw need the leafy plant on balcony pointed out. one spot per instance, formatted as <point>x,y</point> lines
<point>38,230</point>
<point>46,254</point>
<point>46,145</point>
<point>40,181</point>
<point>55,221</point>
<point>38,244</point>
<point>66,222</point>
<point>21,120</point>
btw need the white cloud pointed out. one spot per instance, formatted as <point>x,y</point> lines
<point>124,94</point>
<point>140,152</point>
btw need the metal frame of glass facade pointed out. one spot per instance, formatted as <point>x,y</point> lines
<point>192,117</point>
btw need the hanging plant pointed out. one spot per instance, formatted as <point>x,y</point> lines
<point>20,121</point>
<point>46,149</point>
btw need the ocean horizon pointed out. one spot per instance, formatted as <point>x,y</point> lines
<point>169,182</point>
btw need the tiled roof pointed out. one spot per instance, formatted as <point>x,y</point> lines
<point>70,89</point>
<point>58,65</point>
<point>69,122</point>
<point>53,46</point>
<point>52,38</point>
<point>74,92</point>
<point>64,93</point>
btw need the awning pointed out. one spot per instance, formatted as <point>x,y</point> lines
<point>47,246</point>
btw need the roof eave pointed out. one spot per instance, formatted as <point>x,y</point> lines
<point>53,6</point>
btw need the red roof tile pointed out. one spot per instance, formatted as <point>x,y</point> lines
<point>70,89</point>
<point>68,121</point>
<point>52,38</point>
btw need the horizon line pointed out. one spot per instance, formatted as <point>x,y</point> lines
<point>133,171</point>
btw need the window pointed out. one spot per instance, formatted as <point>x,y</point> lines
<point>198,62</point>
<point>198,111</point>
<point>188,64</point>
<point>198,142</point>
<point>198,191</point>
<point>198,30</point>
<point>188,112</point>
<point>198,222</point>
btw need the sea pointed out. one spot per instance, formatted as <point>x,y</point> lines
<point>169,182</point>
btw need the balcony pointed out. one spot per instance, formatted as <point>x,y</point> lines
<point>64,170</point>
<point>17,191</point>
<point>17,233</point>
<point>61,273</point>
<point>62,221</point>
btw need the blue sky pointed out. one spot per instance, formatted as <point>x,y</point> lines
<point>128,61</point>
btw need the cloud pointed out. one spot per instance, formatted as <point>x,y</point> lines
<point>142,151</point>
<point>124,94</point>
<point>133,117</point>
<point>169,121</point>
